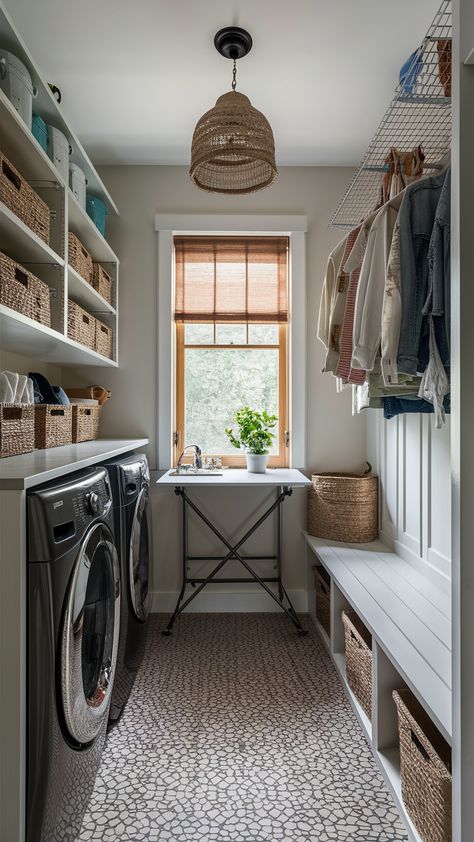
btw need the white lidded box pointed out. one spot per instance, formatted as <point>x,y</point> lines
<point>77,183</point>
<point>59,152</point>
<point>16,83</point>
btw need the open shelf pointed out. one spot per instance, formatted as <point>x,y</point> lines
<point>21,243</point>
<point>84,294</point>
<point>81,224</point>
<point>22,148</point>
<point>22,335</point>
<point>46,105</point>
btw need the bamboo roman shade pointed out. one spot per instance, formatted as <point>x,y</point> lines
<point>231,279</point>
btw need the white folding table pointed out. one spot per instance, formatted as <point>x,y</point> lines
<point>283,480</point>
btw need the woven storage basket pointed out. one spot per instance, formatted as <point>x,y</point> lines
<point>80,325</point>
<point>79,258</point>
<point>17,195</point>
<point>425,766</point>
<point>358,659</point>
<point>103,339</point>
<point>102,282</point>
<point>17,429</point>
<point>322,586</point>
<point>53,425</point>
<point>344,507</point>
<point>85,422</point>
<point>24,292</point>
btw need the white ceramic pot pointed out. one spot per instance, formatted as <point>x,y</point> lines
<point>257,462</point>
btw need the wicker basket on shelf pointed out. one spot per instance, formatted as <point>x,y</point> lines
<point>79,258</point>
<point>358,659</point>
<point>24,292</point>
<point>322,586</point>
<point>23,201</point>
<point>344,507</point>
<point>17,429</point>
<point>102,282</point>
<point>80,325</point>
<point>103,339</point>
<point>85,422</point>
<point>425,766</point>
<point>53,425</point>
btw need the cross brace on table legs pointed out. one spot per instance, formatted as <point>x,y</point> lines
<point>233,553</point>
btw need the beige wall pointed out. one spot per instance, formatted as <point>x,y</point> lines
<point>335,439</point>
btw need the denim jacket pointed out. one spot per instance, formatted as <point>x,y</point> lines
<point>416,221</point>
<point>438,301</point>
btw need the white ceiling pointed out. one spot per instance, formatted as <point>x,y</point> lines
<point>137,74</point>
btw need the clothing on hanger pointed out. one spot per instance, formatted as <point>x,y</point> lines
<point>327,295</point>
<point>341,288</point>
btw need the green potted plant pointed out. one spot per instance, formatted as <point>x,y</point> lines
<point>254,435</point>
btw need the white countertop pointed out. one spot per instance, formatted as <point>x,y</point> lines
<point>238,477</point>
<point>29,469</point>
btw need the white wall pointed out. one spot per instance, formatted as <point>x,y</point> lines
<point>335,439</point>
<point>413,462</point>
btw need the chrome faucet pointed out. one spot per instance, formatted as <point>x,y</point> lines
<point>197,461</point>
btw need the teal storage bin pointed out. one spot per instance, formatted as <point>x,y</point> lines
<point>40,131</point>
<point>97,211</point>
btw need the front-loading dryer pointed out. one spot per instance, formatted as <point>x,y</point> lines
<point>130,481</point>
<point>73,616</point>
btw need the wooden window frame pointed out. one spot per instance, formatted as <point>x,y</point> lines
<point>279,461</point>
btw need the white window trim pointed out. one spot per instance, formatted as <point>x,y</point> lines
<point>295,227</point>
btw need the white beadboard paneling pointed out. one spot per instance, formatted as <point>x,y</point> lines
<point>412,459</point>
<point>409,472</point>
<point>439,511</point>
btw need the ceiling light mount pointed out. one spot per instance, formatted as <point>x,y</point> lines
<point>233,42</point>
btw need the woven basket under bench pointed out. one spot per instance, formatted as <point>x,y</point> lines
<point>358,659</point>
<point>344,507</point>
<point>53,425</point>
<point>22,200</point>
<point>425,767</point>
<point>17,429</point>
<point>85,422</point>
<point>24,292</point>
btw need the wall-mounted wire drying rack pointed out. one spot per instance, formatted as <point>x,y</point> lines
<point>419,114</point>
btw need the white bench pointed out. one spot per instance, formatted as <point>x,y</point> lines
<point>409,619</point>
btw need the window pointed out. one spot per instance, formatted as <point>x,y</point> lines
<point>231,320</point>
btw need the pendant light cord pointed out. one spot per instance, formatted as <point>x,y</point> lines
<point>234,75</point>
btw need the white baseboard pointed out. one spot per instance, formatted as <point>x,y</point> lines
<point>213,601</point>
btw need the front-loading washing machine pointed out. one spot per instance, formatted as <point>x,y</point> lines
<point>130,481</point>
<point>73,617</point>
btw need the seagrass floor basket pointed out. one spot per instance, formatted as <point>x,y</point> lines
<point>358,642</point>
<point>344,507</point>
<point>425,766</point>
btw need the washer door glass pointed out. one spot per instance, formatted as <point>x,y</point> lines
<point>139,556</point>
<point>90,635</point>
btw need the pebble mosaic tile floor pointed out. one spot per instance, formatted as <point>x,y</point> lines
<point>238,730</point>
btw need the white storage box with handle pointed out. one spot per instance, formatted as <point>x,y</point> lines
<point>78,183</point>
<point>59,152</point>
<point>16,83</point>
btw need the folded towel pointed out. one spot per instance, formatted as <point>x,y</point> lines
<point>61,395</point>
<point>6,391</point>
<point>43,391</point>
<point>29,392</point>
<point>12,378</point>
<point>21,389</point>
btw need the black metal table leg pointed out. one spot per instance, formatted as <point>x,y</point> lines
<point>233,552</point>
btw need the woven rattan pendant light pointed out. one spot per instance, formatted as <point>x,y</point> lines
<point>233,150</point>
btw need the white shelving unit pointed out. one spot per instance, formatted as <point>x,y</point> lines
<point>50,262</point>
